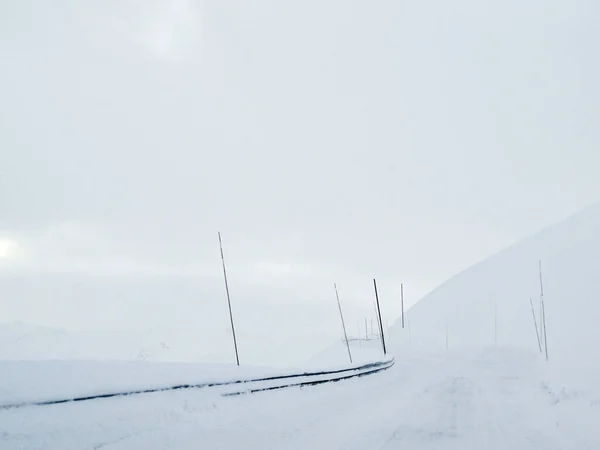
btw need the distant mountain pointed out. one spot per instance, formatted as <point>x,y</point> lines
<point>22,341</point>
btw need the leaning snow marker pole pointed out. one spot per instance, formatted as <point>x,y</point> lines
<point>543,319</point>
<point>343,324</point>
<point>237,357</point>
<point>537,334</point>
<point>540,317</point>
<point>377,318</point>
<point>402,301</point>
<point>379,314</point>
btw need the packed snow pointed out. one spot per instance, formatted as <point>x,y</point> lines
<point>492,398</point>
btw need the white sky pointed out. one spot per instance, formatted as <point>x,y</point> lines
<point>328,141</point>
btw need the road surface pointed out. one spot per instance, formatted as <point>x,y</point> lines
<point>481,399</point>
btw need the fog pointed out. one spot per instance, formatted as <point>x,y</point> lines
<point>327,141</point>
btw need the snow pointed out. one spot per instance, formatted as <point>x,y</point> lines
<point>337,355</point>
<point>162,319</point>
<point>491,388</point>
<point>498,290</point>
<point>35,381</point>
<point>23,382</point>
<point>492,398</point>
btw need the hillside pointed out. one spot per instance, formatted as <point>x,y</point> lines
<point>489,302</point>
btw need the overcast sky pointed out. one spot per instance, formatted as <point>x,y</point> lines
<point>328,140</point>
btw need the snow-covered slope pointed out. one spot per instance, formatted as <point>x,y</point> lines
<point>489,302</point>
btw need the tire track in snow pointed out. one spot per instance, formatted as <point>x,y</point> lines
<point>313,383</point>
<point>370,368</point>
<point>379,367</point>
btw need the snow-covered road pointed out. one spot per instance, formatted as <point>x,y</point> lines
<point>483,399</point>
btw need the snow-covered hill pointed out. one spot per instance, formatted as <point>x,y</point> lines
<point>489,302</point>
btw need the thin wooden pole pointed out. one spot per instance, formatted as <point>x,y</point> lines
<point>540,316</point>
<point>543,311</point>
<point>379,314</point>
<point>377,319</point>
<point>237,357</point>
<point>402,301</point>
<point>545,333</point>
<point>537,334</point>
<point>337,296</point>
